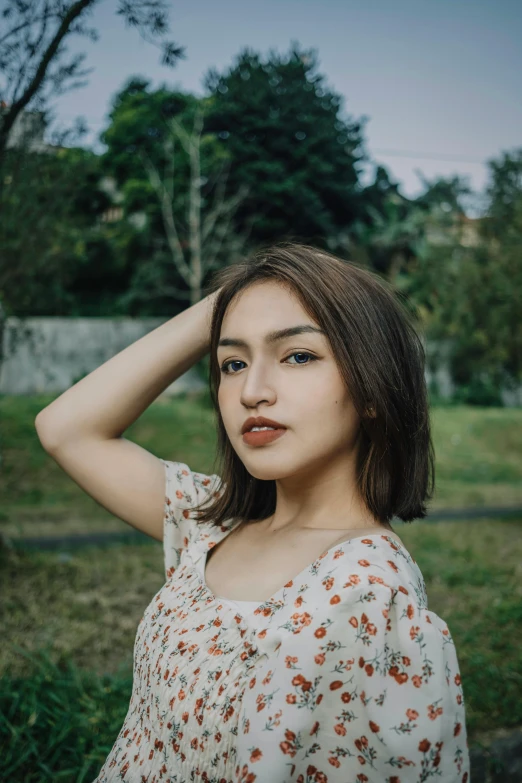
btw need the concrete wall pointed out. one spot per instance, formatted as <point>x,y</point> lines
<point>50,354</point>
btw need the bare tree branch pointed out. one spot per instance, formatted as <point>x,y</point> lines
<point>208,233</point>
<point>35,43</point>
<point>168,217</point>
<point>14,110</point>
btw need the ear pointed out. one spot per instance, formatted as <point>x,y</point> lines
<point>370,412</point>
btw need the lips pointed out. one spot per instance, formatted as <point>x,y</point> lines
<point>261,421</point>
<point>264,437</point>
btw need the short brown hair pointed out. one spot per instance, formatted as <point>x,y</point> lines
<point>381,359</point>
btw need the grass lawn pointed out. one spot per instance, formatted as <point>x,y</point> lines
<point>69,617</point>
<point>85,604</point>
<point>477,450</point>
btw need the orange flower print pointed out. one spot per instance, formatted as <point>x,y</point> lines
<point>316,686</point>
<point>289,745</point>
<point>301,682</point>
<point>245,776</point>
<point>400,677</point>
<point>434,712</point>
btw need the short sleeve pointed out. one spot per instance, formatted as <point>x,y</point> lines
<point>184,489</point>
<point>367,690</point>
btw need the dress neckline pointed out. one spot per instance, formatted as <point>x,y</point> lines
<point>324,557</point>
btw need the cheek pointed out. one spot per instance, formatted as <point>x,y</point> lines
<point>331,410</point>
<point>327,392</point>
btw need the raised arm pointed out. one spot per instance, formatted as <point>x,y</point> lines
<point>82,429</point>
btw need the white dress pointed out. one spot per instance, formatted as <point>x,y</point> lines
<point>343,676</point>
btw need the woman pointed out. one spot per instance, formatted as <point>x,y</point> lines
<point>292,639</point>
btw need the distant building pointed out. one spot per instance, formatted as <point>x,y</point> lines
<point>115,212</point>
<point>457,228</point>
<point>29,126</point>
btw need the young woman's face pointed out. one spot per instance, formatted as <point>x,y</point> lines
<point>294,381</point>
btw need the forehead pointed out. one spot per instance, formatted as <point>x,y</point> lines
<point>270,315</point>
<point>265,304</point>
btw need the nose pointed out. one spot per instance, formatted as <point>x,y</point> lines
<point>256,387</point>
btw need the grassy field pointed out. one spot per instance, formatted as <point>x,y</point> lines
<point>478,461</point>
<point>69,621</point>
<point>69,617</point>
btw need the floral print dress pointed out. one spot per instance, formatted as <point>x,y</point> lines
<point>342,676</point>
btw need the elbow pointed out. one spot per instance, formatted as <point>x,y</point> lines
<point>45,431</point>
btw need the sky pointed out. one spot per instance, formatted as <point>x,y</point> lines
<point>440,81</point>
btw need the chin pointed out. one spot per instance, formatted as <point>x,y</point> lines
<point>270,472</point>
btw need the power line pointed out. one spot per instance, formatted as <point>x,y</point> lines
<point>428,156</point>
<point>457,158</point>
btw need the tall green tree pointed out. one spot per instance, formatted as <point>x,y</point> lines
<point>290,144</point>
<point>171,175</point>
<point>471,294</point>
<point>445,193</point>
<point>504,193</point>
<point>48,230</point>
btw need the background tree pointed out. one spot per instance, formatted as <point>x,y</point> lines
<point>289,144</point>
<point>445,193</point>
<point>208,229</point>
<point>471,294</point>
<point>172,177</point>
<point>33,55</point>
<point>50,204</point>
<point>504,193</point>
<point>35,66</point>
<point>388,243</point>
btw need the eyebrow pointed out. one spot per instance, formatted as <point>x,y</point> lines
<point>272,337</point>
